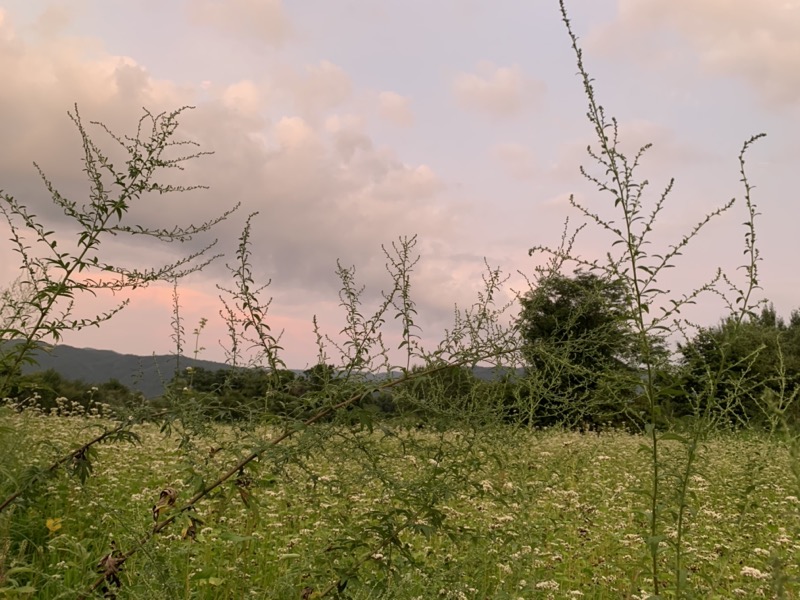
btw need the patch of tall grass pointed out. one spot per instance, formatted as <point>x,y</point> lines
<point>529,514</point>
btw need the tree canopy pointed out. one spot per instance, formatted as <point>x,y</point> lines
<point>755,364</point>
<point>578,341</point>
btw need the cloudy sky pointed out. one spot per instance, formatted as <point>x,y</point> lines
<point>349,123</point>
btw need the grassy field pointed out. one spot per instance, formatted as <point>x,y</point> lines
<point>395,513</point>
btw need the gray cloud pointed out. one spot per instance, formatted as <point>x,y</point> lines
<point>756,42</point>
<point>497,91</point>
<point>324,187</point>
<point>263,20</point>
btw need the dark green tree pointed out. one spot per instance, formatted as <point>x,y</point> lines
<point>231,394</point>
<point>755,364</point>
<point>45,387</point>
<point>580,348</point>
<point>438,391</point>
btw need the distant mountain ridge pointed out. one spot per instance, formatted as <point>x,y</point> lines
<point>145,374</point>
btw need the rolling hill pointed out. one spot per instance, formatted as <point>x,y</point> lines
<point>145,374</point>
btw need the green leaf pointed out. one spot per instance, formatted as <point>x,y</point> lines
<point>25,589</point>
<point>17,570</point>
<point>673,436</point>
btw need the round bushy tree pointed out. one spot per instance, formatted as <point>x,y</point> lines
<point>580,348</point>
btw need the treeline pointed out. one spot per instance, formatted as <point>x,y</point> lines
<point>49,390</point>
<point>583,367</point>
<point>588,356</point>
<point>759,360</point>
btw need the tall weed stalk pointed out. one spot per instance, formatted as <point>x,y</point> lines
<point>58,272</point>
<point>654,313</point>
<point>334,416</point>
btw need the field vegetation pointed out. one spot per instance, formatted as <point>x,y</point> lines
<point>618,451</point>
<point>397,512</point>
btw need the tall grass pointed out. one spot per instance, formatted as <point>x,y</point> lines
<point>527,514</point>
<point>635,260</point>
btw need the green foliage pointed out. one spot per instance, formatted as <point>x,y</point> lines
<point>654,312</point>
<point>359,505</point>
<point>399,513</point>
<point>759,362</point>
<point>50,391</point>
<point>57,273</point>
<point>246,313</point>
<point>447,393</point>
<point>580,345</point>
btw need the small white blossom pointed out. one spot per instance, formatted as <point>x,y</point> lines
<point>754,573</point>
<point>550,584</point>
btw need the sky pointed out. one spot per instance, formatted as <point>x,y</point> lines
<point>349,124</point>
